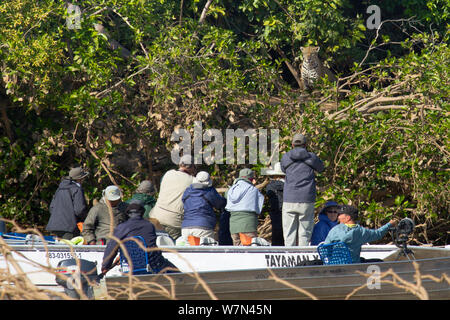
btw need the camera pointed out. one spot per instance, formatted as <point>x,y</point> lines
<point>401,233</point>
<point>400,236</point>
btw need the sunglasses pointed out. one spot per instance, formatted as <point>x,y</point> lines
<point>334,211</point>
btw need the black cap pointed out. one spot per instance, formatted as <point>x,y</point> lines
<point>135,206</point>
<point>348,210</point>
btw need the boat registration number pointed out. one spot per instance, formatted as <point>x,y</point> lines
<point>63,255</point>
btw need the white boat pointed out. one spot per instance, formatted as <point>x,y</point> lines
<point>38,260</point>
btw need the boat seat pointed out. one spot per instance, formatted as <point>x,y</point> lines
<point>138,256</point>
<point>208,241</point>
<point>256,242</point>
<point>164,241</point>
<point>334,253</point>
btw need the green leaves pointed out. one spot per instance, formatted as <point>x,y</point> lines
<point>112,98</point>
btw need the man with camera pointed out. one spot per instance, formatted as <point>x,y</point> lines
<point>352,234</point>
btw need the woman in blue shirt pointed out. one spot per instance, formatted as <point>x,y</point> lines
<point>327,220</point>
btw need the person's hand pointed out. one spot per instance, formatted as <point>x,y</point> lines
<point>393,222</point>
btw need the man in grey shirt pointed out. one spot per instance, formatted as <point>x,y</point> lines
<point>299,194</point>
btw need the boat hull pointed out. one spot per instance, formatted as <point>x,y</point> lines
<point>38,261</point>
<point>372,281</point>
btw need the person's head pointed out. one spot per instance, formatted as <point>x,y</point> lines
<point>247,174</point>
<point>347,214</point>
<point>135,208</point>
<point>146,187</point>
<point>331,210</point>
<point>299,140</point>
<point>187,165</point>
<point>113,195</point>
<point>78,174</point>
<point>203,178</point>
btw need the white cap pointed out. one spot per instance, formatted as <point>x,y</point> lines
<point>203,178</point>
<point>112,193</point>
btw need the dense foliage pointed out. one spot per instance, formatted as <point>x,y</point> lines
<point>108,93</point>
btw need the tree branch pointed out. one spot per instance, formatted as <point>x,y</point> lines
<point>114,44</point>
<point>205,11</point>
<point>290,67</point>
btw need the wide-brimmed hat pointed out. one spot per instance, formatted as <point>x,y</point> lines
<point>146,187</point>
<point>112,193</point>
<point>203,178</point>
<point>78,173</point>
<point>276,171</point>
<point>247,174</point>
<point>328,205</point>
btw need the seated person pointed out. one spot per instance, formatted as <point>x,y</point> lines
<point>199,201</point>
<point>97,226</point>
<point>145,193</point>
<point>169,209</point>
<point>327,220</point>
<point>353,234</point>
<point>136,225</point>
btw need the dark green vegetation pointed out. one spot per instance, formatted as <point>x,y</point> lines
<point>109,95</point>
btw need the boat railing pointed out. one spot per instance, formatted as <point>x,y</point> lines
<point>13,238</point>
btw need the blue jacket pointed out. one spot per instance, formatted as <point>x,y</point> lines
<point>199,201</point>
<point>321,229</point>
<point>324,225</point>
<point>135,226</point>
<point>244,196</point>
<point>355,237</point>
<point>300,182</point>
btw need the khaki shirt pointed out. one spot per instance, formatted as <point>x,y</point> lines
<point>169,209</point>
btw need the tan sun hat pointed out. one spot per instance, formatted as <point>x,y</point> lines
<point>276,171</point>
<point>78,173</point>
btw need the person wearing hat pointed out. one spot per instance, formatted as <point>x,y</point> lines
<point>199,201</point>
<point>327,220</point>
<point>98,225</point>
<point>352,234</point>
<point>136,225</point>
<point>169,209</point>
<point>245,203</point>
<point>274,192</point>
<point>68,206</point>
<point>144,193</point>
<point>299,194</point>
